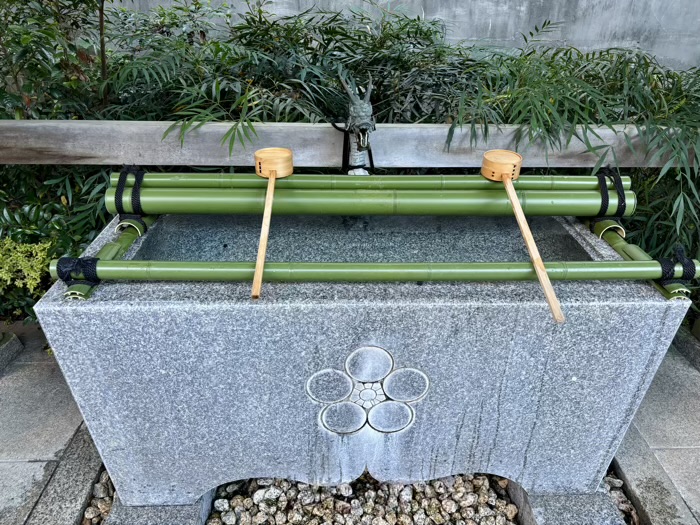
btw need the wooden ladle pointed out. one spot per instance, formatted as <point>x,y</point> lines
<point>504,166</point>
<point>270,164</point>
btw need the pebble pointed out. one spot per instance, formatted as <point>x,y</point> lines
<point>470,499</point>
<point>229,518</point>
<point>273,493</point>
<point>104,506</point>
<point>222,505</point>
<point>405,519</point>
<point>91,512</point>
<point>345,490</point>
<point>511,511</point>
<point>258,496</point>
<point>100,490</point>
<point>306,497</point>
<point>342,507</point>
<point>613,482</point>
<point>450,506</point>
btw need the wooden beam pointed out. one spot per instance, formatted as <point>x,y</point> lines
<point>314,145</point>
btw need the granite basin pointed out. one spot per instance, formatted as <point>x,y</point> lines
<point>185,386</point>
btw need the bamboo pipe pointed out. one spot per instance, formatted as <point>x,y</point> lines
<point>115,249</point>
<point>375,182</point>
<point>270,163</point>
<point>613,234</point>
<point>504,166</point>
<point>369,202</point>
<point>375,272</point>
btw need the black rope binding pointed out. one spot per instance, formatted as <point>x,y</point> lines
<point>67,266</point>
<point>346,150</point>
<point>613,175</point>
<point>668,268</point>
<point>137,210</point>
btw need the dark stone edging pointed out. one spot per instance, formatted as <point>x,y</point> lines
<point>70,487</point>
<point>10,347</point>
<point>689,346</point>
<point>648,485</point>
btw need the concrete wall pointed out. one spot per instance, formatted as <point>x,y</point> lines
<point>669,29</point>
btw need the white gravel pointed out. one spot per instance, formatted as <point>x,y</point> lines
<point>459,500</point>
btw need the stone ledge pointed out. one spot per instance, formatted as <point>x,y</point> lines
<point>571,509</point>
<point>10,347</point>
<point>70,487</point>
<point>195,514</point>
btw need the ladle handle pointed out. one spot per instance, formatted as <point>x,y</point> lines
<point>264,232</point>
<point>540,270</point>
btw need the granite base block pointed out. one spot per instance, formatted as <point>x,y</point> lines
<point>186,386</point>
<point>574,509</point>
<point>10,347</point>
<point>194,514</point>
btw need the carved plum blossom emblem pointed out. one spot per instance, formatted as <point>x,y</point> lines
<point>370,391</point>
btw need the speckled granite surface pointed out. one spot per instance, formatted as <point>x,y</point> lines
<point>185,386</point>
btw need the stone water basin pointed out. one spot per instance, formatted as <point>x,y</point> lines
<point>185,386</point>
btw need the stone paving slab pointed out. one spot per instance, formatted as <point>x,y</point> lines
<point>683,466</point>
<point>70,487</point>
<point>669,417</point>
<point>648,485</point>
<point>21,483</point>
<point>38,416</point>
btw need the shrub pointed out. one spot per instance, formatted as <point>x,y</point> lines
<point>195,63</point>
<point>23,268</point>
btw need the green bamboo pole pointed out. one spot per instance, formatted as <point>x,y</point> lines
<point>374,182</point>
<point>244,201</point>
<point>115,249</point>
<point>610,232</point>
<point>374,272</point>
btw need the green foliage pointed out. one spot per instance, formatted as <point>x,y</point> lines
<point>47,58</point>
<point>61,207</point>
<point>655,224</point>
<point>194,63</point>
<point>22,270</point>
<point>656,227</point>
<point>198,64</point>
